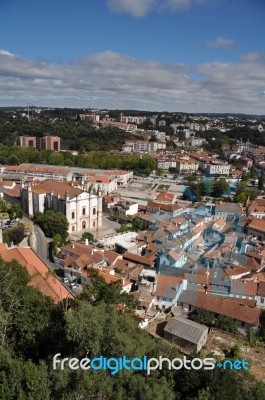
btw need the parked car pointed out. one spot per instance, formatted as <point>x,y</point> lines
<point>73,285</point>
<point>65,280</point>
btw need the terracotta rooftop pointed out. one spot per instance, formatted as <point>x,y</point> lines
<point>244,287</point>
<point>166,285</point>
<point>169,197</point>
<point>239,309</point>
<point>143,260</point>
<point>234,270</point>
<point>257,224</point>
<point>99,179</point>
<point>60,188</point>
<point>15,192</point>
<point>31,169</point>
<point>41,277</point>
<point>261,288</point>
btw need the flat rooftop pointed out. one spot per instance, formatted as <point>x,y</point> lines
<point>125,240</point>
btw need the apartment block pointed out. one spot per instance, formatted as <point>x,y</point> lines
<point>26,141</point>
<point>50,143</point>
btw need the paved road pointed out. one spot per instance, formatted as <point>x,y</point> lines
<point>40,246</point>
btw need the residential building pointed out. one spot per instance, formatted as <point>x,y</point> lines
<point>123,177</point>
<point>167,290</point>
<point>165,198</point>
<point>224,209</point>
<point>189,165</point>
<point>261,294</point>
<point>166,163</point>
<point>36,171</point>
<point>173,258</point>
<point>257,228</point>
<point>129,119</point>
<point>106,184</point>
<point>243,311</point>
<point>256,208</point>
<point>125,208</point>
<point>217,169</point>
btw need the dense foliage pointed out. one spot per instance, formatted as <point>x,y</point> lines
<point>33,330</point>
<point>209,318</point>
<point>52,223</point>
<point>14,235</point>
<point>140,164</point>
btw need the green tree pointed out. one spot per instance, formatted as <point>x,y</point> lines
<point>220,187</point>
<point>99,291</point>
<point>137,225</point>
<point>52,222</point>
<point>15,211</point>
<point>15,234</point>
<point>89,236</point>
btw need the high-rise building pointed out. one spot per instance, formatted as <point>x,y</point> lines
<point>26,141</point>
<point>50,143</point>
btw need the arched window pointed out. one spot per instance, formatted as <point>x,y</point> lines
<point>94,223</point>
<point>83,224</point>
<point>84,211</point>
<point>73,215</point>
<point>94,211</point>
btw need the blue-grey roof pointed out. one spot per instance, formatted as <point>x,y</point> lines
<point>186,329</point>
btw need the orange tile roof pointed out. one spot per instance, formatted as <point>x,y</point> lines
<point>165,196</point>
<point>57,187</point>
<point>99,179</point>
<point>143,260</point>
<point>239,309</point>
<point>257,224</point>
<point>41,277</point>
<point>14,192</point>
<point>261,289</point>
<point>29,168</point>
<point>244,287</point>
<point>6,183</point>
<point>233,270</point>
<point>166,282</point>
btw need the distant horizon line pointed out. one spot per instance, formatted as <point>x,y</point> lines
<point>129,109</point>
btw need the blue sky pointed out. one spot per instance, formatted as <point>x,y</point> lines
<point>175,55</point>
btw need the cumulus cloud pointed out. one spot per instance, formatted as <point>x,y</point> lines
<point>221,43</point>
<point>5,53</point>
<point>137,8</point>
<point>114,80</point>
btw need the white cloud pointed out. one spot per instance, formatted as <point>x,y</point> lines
<point>221,43</point>
<point>5,53</point>
<point>140,8</point>
<point>137,8</point>
<point>114,80</point>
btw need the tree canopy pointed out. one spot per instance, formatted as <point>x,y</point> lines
<point>33,330</point>
<point>52,222</point>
